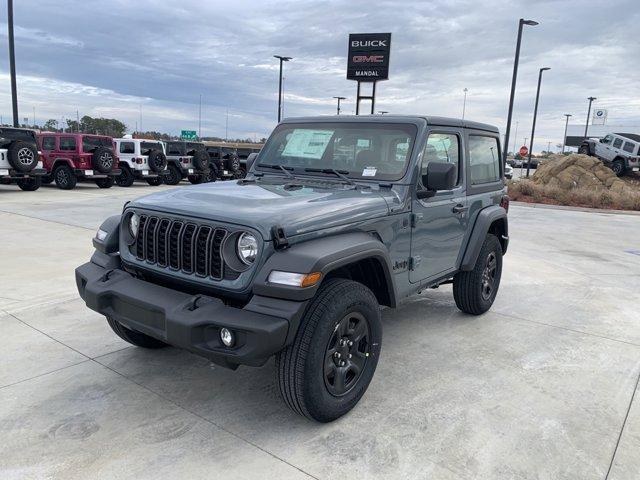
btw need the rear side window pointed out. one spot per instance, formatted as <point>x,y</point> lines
<point>628,147</point>
<point>147,147</point>
<point>127,147</point>
<point>173,149</point>
<point>91,143</point>
<point>442,148</point>
<point>484,159</point>
<point>67,144</point>
<point>617,143</point>
<point>48,143</point>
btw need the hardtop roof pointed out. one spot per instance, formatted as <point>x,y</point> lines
<point>431,120</point>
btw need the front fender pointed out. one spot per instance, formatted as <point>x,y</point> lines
<point>110,243</point>
<point>322,255</point>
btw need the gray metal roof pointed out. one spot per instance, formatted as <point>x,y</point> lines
<point>431,120</point>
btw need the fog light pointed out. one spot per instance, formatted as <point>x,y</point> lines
<point>226,336</point>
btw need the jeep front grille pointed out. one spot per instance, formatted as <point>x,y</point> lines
<point>181,246</point>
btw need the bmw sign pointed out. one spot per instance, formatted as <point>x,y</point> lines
<point>368,56</point>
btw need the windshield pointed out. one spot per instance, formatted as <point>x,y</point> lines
<point>370,151</point>
<point>146,147</point>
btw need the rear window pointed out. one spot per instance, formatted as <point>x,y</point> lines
<point>91,143</point>
<point>628,147</point>
<point>192,147</point>
<point>146,147</point>
<point>48,143</point>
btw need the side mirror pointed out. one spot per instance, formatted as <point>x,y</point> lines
<point>250,160</point>
<point>440,176</point>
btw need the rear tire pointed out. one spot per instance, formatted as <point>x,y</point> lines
<point>174,176</point>
<point>64,177</point>
<point>321,376</point>
<point>134,338</point>
<point>475,291</point>
<point>619,168</point>
<point>126,178</point>
<point>105,182</point>
<point>29,184</point>
<point>584,150</point>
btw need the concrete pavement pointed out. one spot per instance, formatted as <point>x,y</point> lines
<point>539,387</point>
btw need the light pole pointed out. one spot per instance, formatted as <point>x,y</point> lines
<point>464,102</point>
<point>521,24</point>
<point>564,139</point>
<point>339,98</point>
<point>535,114</point>
<point>282,60</point>
<point>515,137</point>
<point>586,127</point>
<point>12,64</point>
<point>200,117</point>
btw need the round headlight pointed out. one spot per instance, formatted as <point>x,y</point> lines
<point>247,248</point>
<point>134,222</point>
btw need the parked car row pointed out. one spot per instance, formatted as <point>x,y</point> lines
<point>31,159</point>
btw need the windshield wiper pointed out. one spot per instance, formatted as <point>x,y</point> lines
<point>339,173</point>
<point>281,167</point>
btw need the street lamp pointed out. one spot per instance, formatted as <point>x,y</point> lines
<point>464,102</point>
<point>339,98</point>
<point>586,127</point>
<point>535,114</point>
<point>282,60</point>
<point>521,24</point>
<point>564,140</point>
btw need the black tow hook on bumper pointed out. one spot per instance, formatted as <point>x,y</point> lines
<point>192,322</point>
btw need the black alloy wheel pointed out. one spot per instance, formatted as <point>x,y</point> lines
<point>489,276</point>
<point>346,354</point>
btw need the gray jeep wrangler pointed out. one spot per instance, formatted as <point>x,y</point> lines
<point>337,217</point>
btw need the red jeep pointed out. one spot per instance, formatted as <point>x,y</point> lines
<point>69,157</point>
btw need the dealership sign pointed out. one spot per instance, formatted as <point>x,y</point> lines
<point>368,56</point>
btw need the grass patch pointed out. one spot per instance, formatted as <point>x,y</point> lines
<point>524,190</point>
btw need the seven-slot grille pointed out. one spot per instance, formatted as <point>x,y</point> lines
<point>185,246</point>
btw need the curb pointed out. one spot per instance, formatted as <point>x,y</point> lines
<point>603,211</point>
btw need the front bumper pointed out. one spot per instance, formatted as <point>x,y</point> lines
<point>192,322</point>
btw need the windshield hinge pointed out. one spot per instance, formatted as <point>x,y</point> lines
<point>415,218</point>
<point>279,238</point>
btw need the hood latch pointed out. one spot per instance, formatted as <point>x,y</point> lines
<point>279,238</point>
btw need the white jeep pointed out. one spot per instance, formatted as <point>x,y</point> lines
<point>20,159</point>
<point>621,151</point>
<point>140,159</point>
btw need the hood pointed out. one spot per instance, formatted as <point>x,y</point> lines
<point>262,205</point>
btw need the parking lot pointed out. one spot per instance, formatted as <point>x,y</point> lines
<point>539,387</point>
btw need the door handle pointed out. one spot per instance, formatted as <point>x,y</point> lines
<point>459,208</point>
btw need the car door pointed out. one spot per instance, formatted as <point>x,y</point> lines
<point>440,222</point>
<point>603,148</point>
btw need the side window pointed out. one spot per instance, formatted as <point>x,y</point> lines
<point>617,143</point>
<point>443,148</point>
<point>484,159</point>
<point>48,143</point>
<point>67,144</point>
<point>127,147</point>
<point>628,147</point>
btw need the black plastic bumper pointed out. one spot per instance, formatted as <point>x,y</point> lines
<point>192,322</point>
<point>17,175</point>
<point>79,172</point>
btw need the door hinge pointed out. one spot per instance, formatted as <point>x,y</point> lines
<point>414,262</point>
<point>415,218</point>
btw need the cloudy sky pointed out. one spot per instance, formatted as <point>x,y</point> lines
<point>115,58</point>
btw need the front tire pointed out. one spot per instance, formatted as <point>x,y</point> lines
<point>331,362</point>
<point>174,176</point>
<point>475,291</point>
<point>104,182</point>
<point>29,184</point>
<point>134,338</point>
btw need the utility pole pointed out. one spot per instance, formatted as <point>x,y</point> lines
<point>226,127</point>
<point>535,114</point>
<point>586,127</point>
<point>564,139</point>
<point>12,64</point>
<point>521,23</point>
<point>464,102</point>
<point>200,117</point>
<point>77,121</point>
